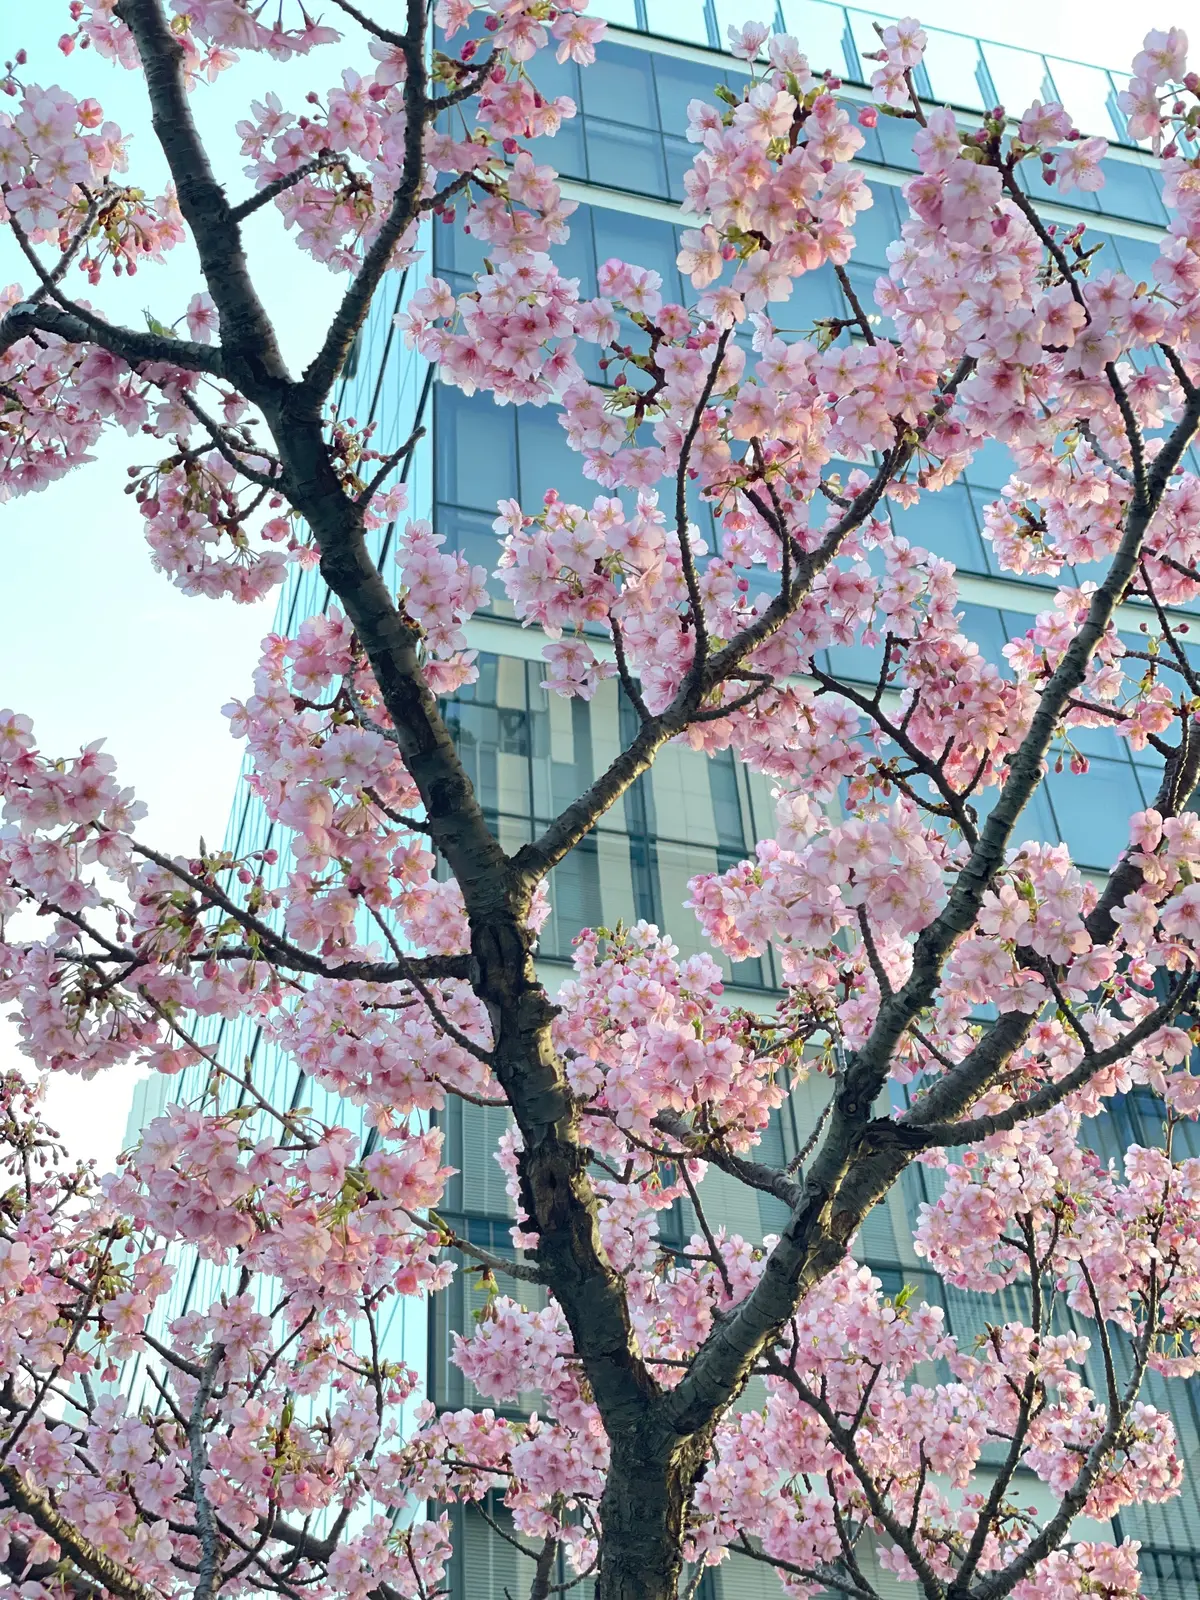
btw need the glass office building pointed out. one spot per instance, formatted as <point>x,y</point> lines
<point>528,751</point>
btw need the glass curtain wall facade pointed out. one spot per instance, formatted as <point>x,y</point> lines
<point>528,751</point>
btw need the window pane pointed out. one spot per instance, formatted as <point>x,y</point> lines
<point>950,61</point>
<point>573,257</point>
<point>820,30</point>
<point>895,143</point>
<point>734,14</point>
<point>1130,191</point>
<point>944,524</point>
<point>575,899</point>
<point>991,631</point>
<point>679,82</point>
<point>457,251</point>
<point>677,19</point>
<point>642,241</point>
<point>855,663</point>
<point>1102,742</point>
<point>547,460</point>
<point>620,83</point>
<point>1019,77</point>
<point>476,449</point>
<point>1087,93</point>
<point>470,534</point>
<point>876,228</point>
<point>623,13</point>
<point>991,466</point>
<point>554,77</point>
<point>1137,258</point>
<point>1093,810</point>
<point>1035,825</point>
<point>564,152</point>
<point>625,158</point>
<point>814,296</point>
<point>680,155</point>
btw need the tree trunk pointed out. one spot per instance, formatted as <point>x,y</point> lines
<point>643,1512</point>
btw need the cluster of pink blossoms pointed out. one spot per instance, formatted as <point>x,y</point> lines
<point>77,1292</point>
<point>355,957</point>
<point>60,166</point>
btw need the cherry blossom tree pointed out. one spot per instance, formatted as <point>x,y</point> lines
<point>730,1397</point>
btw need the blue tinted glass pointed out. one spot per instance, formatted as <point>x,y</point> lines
<point>871,149</point>
<point>620,83</point>
<point>980,499</point>
<point>575,900</point>
<point>680,155</point>
<point>642,241</point>
<point>1130,191</point>
<point>863,279</point>
<point>991,466</point>
<point>573,257</point>
<point>1137,258</point>
<point>565,151</point>
<point>876,228</point>
<point>1098,742</point>
<point>678,19</point>
<point>679,82</point>
<point>895,142</point>
<point>1107,259</point>
<point>456,250</point>
<point>1035,824</point>
<point>1093,810</point>
<point>470,533</point>
<point>1028,173</point>
<point>944,524</point>
<point>855,663</point>
<point>815,296</point>
<point>547,460</point>
<point>821,30</point>
<point>1018,76</point>
<point>554,78</point>
<point>991,631</point>
<point>625,158</point>
<point>476,449</point>
<point>1086,572</point>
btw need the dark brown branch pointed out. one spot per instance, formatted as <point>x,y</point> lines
<point>1051,1534</point>
<point>929,1133</point>
<point>401,41</point>
<point>271,191</point>
<point>28,317</point>
<point>38,1507</point>
<point>860,316</point>
<point>249,349</point>
<point>699,624</point>
<point>228,450</point>
<point>389,464</point>
<point>441,1020</point>
<point>706,1147</point>
<point>1178,368</point>
<point>321,372</point>
<point>207,1583</point>
<point>280,952</point>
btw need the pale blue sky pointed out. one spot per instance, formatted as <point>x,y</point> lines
<point>95,644</point>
